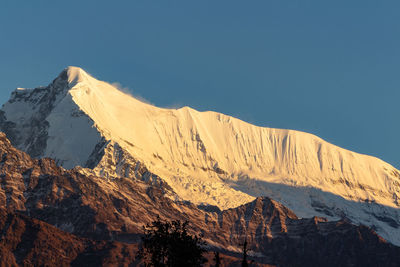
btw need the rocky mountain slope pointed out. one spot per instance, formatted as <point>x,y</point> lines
<point>206,158</point>
<point>30,242</point>
<point>90,218</point>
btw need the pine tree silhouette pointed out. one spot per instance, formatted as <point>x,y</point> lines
<point>244,261</point>
<point>217,259</point>
<point>169,244</point>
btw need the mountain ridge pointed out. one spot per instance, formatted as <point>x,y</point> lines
<point>204,157</point>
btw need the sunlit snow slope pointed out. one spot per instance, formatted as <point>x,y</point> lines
<point>206,157</point>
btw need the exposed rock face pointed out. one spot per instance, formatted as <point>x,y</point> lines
<point>103,218</point>
<point>40,102</point>
<point>30,242</point>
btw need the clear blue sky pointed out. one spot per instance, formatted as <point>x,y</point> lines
<point>326,67</point>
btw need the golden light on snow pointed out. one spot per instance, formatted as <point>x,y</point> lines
<point>212,158</point>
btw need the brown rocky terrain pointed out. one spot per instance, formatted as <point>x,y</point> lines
<point>50,213</point>
<point>30,242</point>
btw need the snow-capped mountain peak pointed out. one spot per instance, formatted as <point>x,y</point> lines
<point>205,157</point>
<point>76,75</point>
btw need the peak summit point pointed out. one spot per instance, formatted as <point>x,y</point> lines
<point>75,75</point>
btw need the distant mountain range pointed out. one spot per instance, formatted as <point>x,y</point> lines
<point>131,161</point>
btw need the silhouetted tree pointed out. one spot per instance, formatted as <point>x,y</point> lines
<point>217,259</point>
<point>169,244</point>
<point>244,261</point>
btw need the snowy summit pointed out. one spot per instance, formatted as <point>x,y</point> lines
<point>204,157</point>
